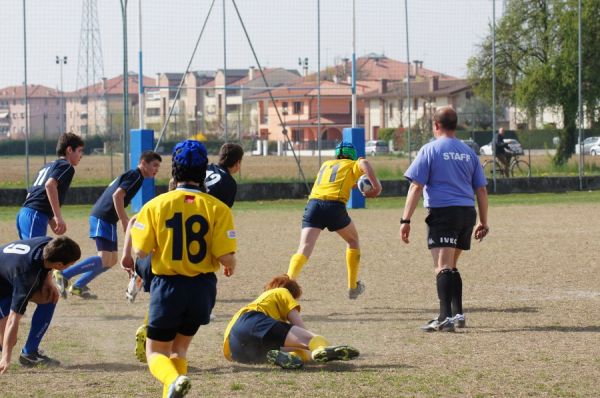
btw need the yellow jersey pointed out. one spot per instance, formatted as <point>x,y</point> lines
<point>275,303</point>
<point>185,230</point>
<point>336,179</point>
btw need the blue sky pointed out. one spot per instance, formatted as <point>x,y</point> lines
<point>442,33</point>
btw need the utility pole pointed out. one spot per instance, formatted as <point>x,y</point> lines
<point>61,61</point>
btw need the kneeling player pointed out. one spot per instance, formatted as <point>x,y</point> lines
<point>270,329</point>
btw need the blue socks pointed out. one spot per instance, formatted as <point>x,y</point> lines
<point>90,267</point>
<point>42,316</point>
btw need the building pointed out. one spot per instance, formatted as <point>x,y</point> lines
<point>44,111</point>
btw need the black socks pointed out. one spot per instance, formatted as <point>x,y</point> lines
<point>456,292</point>
<point>444,282</point>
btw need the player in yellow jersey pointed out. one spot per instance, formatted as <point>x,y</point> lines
<point>270,329</point>
<point>189,234</point>
<point>326,208</point>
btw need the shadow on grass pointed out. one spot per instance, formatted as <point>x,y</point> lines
<point>334,367</point>
<point>105,367</point>
<point>563,329</point>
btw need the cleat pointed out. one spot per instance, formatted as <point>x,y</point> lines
<point>83,292</point>
<point>180,387</point>
<point>436,326</point>
<point>133,288</point>
<point>459,321</point>
<point>284,360</point>
<point>357,291</point>
<point>37,358</point>
<point>334,353</point>
<point>60,282</point>
<point>140,343</point>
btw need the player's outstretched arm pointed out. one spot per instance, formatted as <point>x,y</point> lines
<point>229,262</point>
<point>366,167</point>
<point>57,223</point>
<point>10,339</point>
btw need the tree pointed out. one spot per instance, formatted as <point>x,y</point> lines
<point>537,60</point>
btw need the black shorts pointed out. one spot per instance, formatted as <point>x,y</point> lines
<point>450,226</point>
<point>323,214</point>
<point>254,334</point>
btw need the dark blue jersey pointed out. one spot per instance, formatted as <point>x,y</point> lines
<point>104,208</point>
<point>37,199</point>
<point>22,271</point>
<point>220,184</point>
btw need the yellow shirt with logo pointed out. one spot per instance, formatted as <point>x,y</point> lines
<point>275,303</point>
<point>185,230</point>
<point>336,179</point>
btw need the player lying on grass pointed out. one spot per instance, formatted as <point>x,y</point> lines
<point>24,277</point>
<point>270,329</point>
<point>190,234</point>
<point>326,208</point>
<point>108,210</point>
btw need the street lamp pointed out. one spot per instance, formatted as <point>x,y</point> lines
<point>304,65</point>
<point>62,61</point>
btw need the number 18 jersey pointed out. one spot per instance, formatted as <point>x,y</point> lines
<point>185,230</point>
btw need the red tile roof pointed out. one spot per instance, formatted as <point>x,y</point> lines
<point>33,91</point>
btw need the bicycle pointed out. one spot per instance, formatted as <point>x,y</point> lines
<point>517,168</point>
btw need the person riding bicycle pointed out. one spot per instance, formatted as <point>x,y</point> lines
<point>503,152</point>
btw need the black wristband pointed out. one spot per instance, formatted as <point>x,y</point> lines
<point>403,221</point>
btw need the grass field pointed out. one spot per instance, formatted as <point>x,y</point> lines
<point>531,299</point>
<point>96,170</point>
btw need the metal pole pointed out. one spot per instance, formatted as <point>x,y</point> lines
<point>353,63</point>
<point>44,134</point>
<point>141,99</point>
<point>579,95</point>
<point>494,132</point>
<point>125,87</point>
<point>319,143</point>
<point>224,74</point>
<point>408,100</point>
<point>26,100</point>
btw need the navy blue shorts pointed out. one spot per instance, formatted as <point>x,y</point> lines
<point>450,226</point>
<point>104,233</point>
<point>180,304</point>
<point>323,214</point>
<point>254,334</point>
<point>31,223</point>
<point>143,268</point>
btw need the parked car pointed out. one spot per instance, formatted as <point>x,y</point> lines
<point>595,150</point>
<point>588,143</point>
<point>473,145</point>
<point>376,147</point>
<point>514,146</point>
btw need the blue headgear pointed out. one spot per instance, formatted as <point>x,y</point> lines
<point>345,149</point>
<point>190,153</point>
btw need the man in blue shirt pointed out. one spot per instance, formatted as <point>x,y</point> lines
<point>449,175</point>
<point>24,268</point>
<point>108,210</point>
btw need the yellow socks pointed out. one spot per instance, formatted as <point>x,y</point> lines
<point>181,364</point>
<point>163,369</point>
<point>296,263</point>
<point>302,354</point>
<point>317,342</point>
<point>352,264</point>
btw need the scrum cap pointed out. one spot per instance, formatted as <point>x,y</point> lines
<point>190,153</point>
<point>345,149</point>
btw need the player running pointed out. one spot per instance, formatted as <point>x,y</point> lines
<point>270,329</point>
<point>24,277</point>
<point>326,208</point>
<point>108,210</point>
<point>189,234</point>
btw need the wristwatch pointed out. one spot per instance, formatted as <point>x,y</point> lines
<point>403,221</point>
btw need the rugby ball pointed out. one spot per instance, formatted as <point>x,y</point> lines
<point>364,184</point>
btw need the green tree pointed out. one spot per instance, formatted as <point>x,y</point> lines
<point>537,60</point>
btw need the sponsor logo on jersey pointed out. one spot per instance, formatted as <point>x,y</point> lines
<point>138,225</point>
<point>231,234</point>
<point>189,199</point>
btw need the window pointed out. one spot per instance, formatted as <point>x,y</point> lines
<point>391,110</point>
<point>209,93</point>
<point>284,108</point>
<point>297,108</point>
<point>415,104</point>
<point>297,135</point>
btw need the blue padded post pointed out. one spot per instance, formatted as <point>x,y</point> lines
<point>141,140</point>
<point>356,136</point>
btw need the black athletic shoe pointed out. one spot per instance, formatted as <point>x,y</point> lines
<point>334,353</point>
<point>37,359</point>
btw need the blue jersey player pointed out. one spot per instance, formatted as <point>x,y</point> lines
<point>190,234</point>
<point>48,191</point>
<point>24,277</point>
<point>108,211</point>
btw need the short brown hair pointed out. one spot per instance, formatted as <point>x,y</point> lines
<point>230,154</point>
<point>149,156</point>
<point>68,140</point>
<point>62,250</point>
<point>447,118</point>
<point>285,281</point>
